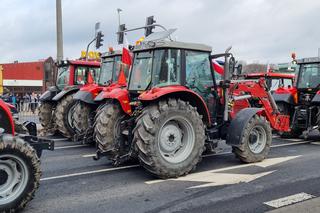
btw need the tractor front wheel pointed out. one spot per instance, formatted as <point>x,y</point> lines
<point>64,111</point>
<point>107,127</point>
<point>255,141</point>
<point>19,173</point>
<point>170,138</point>
<point>82,118</point>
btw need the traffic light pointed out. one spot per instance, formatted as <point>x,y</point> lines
<point>148,30</point>
<point>99,39</point>
<point>122,28</point>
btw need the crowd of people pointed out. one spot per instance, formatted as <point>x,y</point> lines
<point>27,102</point>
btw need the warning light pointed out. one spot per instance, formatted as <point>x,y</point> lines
<point>140,40</point>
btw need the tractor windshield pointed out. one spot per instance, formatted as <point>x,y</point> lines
<point>110,68</point>
<point>63,77</point>
<point>140,77</point>
<point>309,76</point>
<point>161,66</point>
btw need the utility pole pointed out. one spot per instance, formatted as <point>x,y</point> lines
<point>59,31</point>
<point>119,10</point>
<point>319,52</point>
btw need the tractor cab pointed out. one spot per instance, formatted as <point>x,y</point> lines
<point>76,72</point>
<point>308,80</point>
<point>170,67</point>
<point>110,67</point>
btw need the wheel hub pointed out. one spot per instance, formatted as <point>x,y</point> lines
<point>257,139</point>
<point>14,177</point>
<point>171,137</point>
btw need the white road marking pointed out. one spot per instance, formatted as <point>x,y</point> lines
<point>285,201</point>
<point>290,144</point>
<point>209,176</point>
<point>72,146</point>
<point>88,155</point>
<point>89,172</point>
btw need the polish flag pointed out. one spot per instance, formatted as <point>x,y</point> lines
<point>126,63</point>
<point>217,67</point>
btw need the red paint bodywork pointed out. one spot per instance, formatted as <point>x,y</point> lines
<point>115,91</point>
<point>158,92</point>
<point>6,109</point>
<point>94,89</point>
<point>277,121</point>
<point>74,63</point>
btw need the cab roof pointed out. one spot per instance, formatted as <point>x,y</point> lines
<point>171,44</point>
<point>111,54</point>
<point>85,63</point>
<point>309,60</point>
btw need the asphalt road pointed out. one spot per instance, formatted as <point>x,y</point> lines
<point>73,182</point>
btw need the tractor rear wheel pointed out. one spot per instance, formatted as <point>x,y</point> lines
<point>64,111</point>
<point>82,117</point>
<point>170,138</point>
<point>255,141</point>
<point>19,173</point>
<point>107,127</point>
<point>46,115</point>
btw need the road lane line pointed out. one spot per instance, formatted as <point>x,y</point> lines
<point>72,146</point>
<point>88,155</point>
<point>292,199</point>
<point>89,172</point>
<point>290,144</point>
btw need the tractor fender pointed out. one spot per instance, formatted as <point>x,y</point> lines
<point>6,119</point>
<point>120,94</point>
<point>235,130</point>
<point>284,95</point>
<point>181,92</point>
<point>65,92</point>
<point>88,93</point>
<point>316,99</point>
<point>49,94</point>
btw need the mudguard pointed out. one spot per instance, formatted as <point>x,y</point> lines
<point>180,92</point>
<point>121,94</point>
<point>65,92</point>
<point>49,94</point>
<point>287,98</point>
<point>285,95</point>
<point>84,96</point>
<point>316,99</point>
<point>235,130</point>
<point>88,93</point>
<point>6,119</point>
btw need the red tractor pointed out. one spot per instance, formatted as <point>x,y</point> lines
<point>19,162</point>
<point>90,97</point>
<point>302,102</point>
<point>173,109</point>
<point>57,102</point>
<point>275,81</point>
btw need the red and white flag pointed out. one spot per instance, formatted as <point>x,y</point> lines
<point>126,63</point>
<point>217,67</point>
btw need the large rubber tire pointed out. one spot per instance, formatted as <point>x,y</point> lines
<point>63,115</point>
<point>81,118</point>
<point>295,132</point>
<point>107,126</point>
<point>20,159</point>
<point>46,116</point>
<point>152,134</point>
<point>244,151</point>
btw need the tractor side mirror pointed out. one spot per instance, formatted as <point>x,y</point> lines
<point>232,65</point>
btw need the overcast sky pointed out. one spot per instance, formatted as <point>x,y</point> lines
<point>258,30</point>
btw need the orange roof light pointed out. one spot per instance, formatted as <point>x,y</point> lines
<point>111,49</point>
